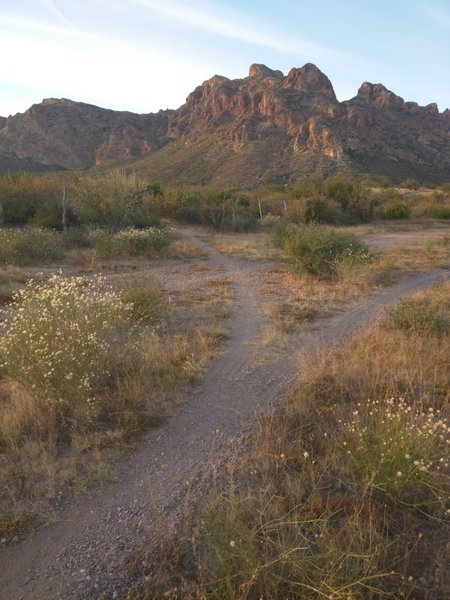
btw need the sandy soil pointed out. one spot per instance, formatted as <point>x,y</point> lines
<point>81,552</point>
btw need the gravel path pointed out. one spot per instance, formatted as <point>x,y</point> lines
<point>81,554</point>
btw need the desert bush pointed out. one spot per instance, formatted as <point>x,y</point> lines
<point>319,210</point>
<point>32,199</point>
<point>30,245</point>
<point>438,211</point>
<point>146,298</point>
<point>397,210</point>
<point>115,201</point>
<point>76,237</point>
<point>188,214</point>
<point>319,250</point>
<point>418,316</point>
<point>59,340</point>
<point>129,242</point>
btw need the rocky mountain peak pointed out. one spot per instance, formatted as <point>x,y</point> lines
<point>262,71</point>
<point>309,80</point>
<point>264,127</point>
<point>49,101</point>
<point>379,96</point>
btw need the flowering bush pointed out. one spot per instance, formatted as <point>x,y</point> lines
<point>31,245</point>
<point>399,449</point>
<point>129,241</point>
<point>58,341</point>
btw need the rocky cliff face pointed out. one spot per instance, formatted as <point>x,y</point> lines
<point>264,127</point>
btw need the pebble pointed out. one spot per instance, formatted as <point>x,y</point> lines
<point>16,539</point>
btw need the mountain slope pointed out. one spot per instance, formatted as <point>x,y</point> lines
<point>266,127</point>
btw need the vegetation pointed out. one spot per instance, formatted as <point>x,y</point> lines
<point>29,246</point>
<point>84,365</point>
<point>343,493</point>
<point>129,242</point>
<point>116,200</point>
<point>319,250</point>
<point>397,210</point>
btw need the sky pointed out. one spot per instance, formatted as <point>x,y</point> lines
<point>146,55</point>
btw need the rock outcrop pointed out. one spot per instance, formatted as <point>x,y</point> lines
<point>264,127</point>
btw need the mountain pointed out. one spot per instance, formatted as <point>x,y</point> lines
<point>266,127</point>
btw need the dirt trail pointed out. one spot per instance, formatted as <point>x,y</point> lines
<point>81,554</point>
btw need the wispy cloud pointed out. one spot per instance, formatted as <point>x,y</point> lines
<point>208,18</point>
<point>54,10</point>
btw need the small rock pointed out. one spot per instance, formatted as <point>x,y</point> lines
<point>3,541</point>
<point>16,539</point>
<point>423,580</point>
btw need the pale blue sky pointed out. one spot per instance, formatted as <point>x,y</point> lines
<point>143,55</point>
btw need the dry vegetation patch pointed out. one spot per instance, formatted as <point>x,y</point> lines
<point>89,362</point>
<point>344,493</point>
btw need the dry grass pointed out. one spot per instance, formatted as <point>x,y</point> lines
<point>427,253</point>
<point>293,302</point>
<point>183,249</point>
<point>252,246</point>
<point>341,494</point>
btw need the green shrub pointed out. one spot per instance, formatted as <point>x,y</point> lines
<point>115,201</point>
<point>188,214</point>
<point>319,210</point>
<point>397,210</point>
<point>30,245</point>
<point>319,250</point>
<point>32,199</point>
<point>418,316</point>
<point>440,211</point>
<point>102,241</point>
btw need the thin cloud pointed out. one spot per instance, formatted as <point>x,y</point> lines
<point>54,10</point>
<point>234,28</point>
